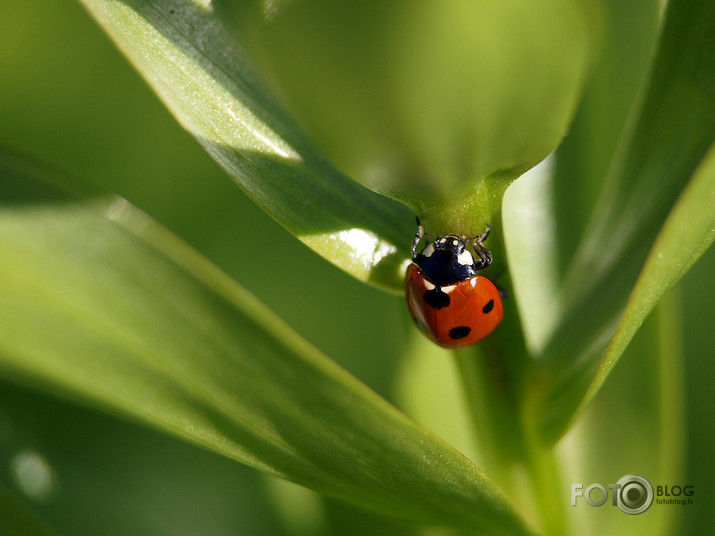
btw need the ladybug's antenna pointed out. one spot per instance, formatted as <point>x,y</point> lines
<point>418,236</point>
<point>482,251</point>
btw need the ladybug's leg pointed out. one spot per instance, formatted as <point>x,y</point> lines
<point>482,251</point>
<point>502,291</point>
<point>485,256</point>
<point>418,237</point>
<point>482,237</point>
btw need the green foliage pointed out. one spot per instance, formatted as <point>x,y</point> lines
<point>164,337</point>
<point>671,134</point>
<point>321,113</point>
<point>197,70</point>
<point>425,94</point>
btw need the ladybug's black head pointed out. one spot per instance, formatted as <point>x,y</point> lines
<point>446,261</point>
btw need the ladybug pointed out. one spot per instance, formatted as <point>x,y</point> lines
<point>450,303</point>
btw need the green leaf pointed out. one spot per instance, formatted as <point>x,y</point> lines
<point>675,126</point>
<point>687,234</point>
<point>101,304</point>
<point>197,69</point>
<point>531,246</point>
<point>582,160</point>
<point>423,100</point>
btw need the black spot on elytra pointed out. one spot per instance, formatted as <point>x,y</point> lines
<point>488,307</point>
<point>459,332</point>
<point>436,299</point>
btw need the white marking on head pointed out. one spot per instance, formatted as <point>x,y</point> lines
<point>427,284</point>
<point>448,289</point>
<point>465,258</point>
<point>442,240</point>
<point>455,242</point>
<point>427,252</point>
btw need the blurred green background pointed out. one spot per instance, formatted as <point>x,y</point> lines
<point>69,99</point>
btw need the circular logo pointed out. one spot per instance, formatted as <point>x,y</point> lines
<point>635,494</point>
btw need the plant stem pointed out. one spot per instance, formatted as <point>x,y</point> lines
<point>547,489</point>
<point>469,213</point>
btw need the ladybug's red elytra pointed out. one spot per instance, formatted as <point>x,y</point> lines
<point>450,303</point>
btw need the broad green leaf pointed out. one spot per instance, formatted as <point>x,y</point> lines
<point>423,100</point>
<point>101,304</point>
<point>672,132</point>
<point>205,79</point>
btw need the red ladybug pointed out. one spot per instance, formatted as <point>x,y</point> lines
<point>450,303</point>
